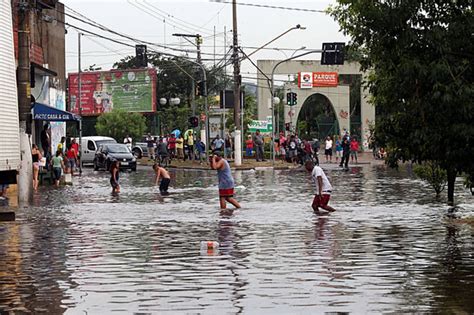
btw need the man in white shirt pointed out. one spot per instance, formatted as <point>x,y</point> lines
<point>128,141</point>
<point>323,187</point>
<point>328,149</point>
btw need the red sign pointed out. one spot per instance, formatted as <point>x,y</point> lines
<point>131,90</point>
<point>325,79</point>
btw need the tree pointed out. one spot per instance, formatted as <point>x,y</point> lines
<point>431,172</point>
<point>119,123</point>
<point>419,57</point>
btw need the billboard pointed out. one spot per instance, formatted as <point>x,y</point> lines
<point>132,90</point>
<point>308,80</point>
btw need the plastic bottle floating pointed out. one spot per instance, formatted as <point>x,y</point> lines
<point>209,245</point>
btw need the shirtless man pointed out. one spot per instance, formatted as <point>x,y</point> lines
<point>165,178</point>
<point>226,181</point>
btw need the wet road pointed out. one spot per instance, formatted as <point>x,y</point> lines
<point>388,248</point>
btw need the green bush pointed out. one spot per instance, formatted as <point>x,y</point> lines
<point>432,173</point>
<point>119,123</point>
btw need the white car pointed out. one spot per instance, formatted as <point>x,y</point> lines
<point>90,145</point>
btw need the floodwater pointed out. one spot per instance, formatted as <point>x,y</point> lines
<point>389,248</point>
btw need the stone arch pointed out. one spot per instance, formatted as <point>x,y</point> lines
<point>338,97</point>
<point>319,116</point>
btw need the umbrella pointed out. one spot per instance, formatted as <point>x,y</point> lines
<point>176,132</point>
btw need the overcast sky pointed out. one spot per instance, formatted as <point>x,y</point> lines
<point>155,21</point>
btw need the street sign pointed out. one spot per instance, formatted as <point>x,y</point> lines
<point>264,126</point>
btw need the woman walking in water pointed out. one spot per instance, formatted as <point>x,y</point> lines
<point>36,155</point>
<point>115,176</point>
<point>226,182</point>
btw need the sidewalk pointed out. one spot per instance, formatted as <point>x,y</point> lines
<point>365,158</point>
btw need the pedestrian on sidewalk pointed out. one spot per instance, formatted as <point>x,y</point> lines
<point>161,172</point>
<point>338,148</point>
<point>128,142</point>
<point>201,150</point>
<point>328,149</point>
<point>346,148</point>
<point>150,145</point>
<point>36,156</point>
<point>258,141</point>
<point>228,146</point>
<point>180,147</point>
<point>71,155</point>
<point>249,146</point>
<point>323,187</point>
<point>217,145</point>
<point>226,181</point>
<point>354,146</point>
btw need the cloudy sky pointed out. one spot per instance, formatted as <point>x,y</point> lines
<point>156,20</point>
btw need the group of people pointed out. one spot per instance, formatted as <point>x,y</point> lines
<point>183,147</point>
<point>64,160</point>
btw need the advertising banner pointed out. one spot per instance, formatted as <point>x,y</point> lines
<point>325,79</point>
<point>264,126</point>
<point>308,80</point>
<point>130,90</point>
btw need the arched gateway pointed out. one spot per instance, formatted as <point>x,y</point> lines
<point>350,104</point>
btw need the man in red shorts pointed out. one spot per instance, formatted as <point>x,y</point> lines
<point>323,187</point>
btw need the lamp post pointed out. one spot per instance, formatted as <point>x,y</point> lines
<point>273,92</point>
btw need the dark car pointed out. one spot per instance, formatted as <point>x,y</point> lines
<point>107,153</point>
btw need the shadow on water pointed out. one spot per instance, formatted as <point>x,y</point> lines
<point>387,248</point>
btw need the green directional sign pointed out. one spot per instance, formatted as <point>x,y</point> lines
<point>264,126</point>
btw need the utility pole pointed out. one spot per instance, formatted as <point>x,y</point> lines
<point>235,56</point>
<point>79,92</point>
<point>25,176</point>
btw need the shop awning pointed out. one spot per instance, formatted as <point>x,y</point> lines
<point>48,113</point>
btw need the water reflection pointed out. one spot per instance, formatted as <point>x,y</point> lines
<point>81,250</point>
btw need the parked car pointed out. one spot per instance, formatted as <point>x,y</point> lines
<point>107,153</point>
<point>140,149</point>
<point>90,145</point>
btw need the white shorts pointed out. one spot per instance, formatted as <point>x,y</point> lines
<point>339,153</point>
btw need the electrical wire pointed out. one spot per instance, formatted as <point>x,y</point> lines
<point>271,6</point>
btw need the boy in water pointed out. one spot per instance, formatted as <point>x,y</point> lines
<point>162,173</point>
<point>323,187</point>
<point>226,181</point>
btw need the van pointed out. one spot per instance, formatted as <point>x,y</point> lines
<point>90,145</point>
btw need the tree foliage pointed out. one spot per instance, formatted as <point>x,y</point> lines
<point>432,173</point>
<point>419,57</point>
<point>118,123</point>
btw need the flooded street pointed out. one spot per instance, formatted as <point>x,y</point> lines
<point>387,249</point>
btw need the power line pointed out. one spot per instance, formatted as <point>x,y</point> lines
<point>191,25</point>
<point>271,6</point>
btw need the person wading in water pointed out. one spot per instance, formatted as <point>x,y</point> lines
<point>226,181</point>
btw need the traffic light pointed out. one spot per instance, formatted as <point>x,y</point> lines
<point>200,89</point>
<point>193,121</point>
<point>333,54</point>
<point>291,98</point>
<point>141,58</point>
